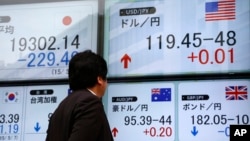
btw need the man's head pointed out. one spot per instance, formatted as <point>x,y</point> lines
<point>87,70</point>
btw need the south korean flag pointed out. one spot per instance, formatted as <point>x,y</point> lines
<point>11,97</point>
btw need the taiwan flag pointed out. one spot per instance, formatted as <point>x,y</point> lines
<point>236,92</point>
<point>160,94</point>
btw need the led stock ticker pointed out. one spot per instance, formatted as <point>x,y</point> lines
<point>177,110</point>
<point>156,38</point>
<point>38,49</point>
<point>28,110</point>
<point>141,114</point>
<point>211,111</point>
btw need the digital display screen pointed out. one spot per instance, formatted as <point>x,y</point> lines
<point>38,40</point>
<point>166,37</point>
<point>201,110</point>
<point>25,111</point>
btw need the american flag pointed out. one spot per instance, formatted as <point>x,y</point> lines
<point>220,10</point>
<point>236,92</point>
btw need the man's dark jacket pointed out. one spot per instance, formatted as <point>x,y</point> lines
<point>79,117</point>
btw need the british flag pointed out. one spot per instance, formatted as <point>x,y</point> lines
<point>236,92</point>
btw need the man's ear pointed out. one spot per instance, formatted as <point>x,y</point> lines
<point>99,80</point>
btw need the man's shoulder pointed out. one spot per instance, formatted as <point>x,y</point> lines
<point>81,95</point>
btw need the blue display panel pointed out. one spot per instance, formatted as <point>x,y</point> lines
<point>11,113</point>
<point>142,111</point>
<point>25,111</point>
<point>38,40</point>
<point>177,110</point>
<point>166,37</point>
<point>207,109</point>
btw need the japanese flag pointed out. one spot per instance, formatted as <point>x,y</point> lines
<point>67,21</point>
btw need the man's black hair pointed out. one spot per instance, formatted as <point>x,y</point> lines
<point>84,68</point>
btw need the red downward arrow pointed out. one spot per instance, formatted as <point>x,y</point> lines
<point>126,59</point>
<point>114,131</point>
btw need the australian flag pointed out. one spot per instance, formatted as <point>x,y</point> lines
<point>160,94</point>
<point>236,92</point>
